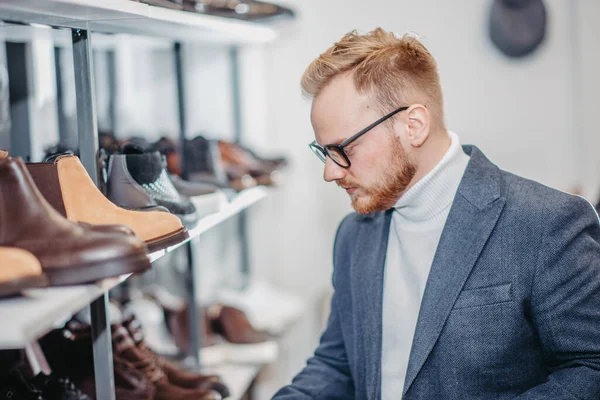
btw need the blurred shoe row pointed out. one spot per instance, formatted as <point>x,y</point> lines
<point>248,10</point>
<point>210,162</point>
<point>227,335</point>
<point>139,372</point>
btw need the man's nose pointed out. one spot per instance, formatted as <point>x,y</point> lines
<point>333,172</point>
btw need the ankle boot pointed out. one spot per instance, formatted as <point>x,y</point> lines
<point>20,270</point>
<point>175,375</point>
<point>69,189</point>
<point>138,179</point>
<point>69,254</point>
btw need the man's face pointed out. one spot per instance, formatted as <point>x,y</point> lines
<point>381,169</point>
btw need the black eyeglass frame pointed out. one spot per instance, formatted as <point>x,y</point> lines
<point>323,151</point>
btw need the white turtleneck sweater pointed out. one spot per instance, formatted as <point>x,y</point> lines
<point>416,227</point>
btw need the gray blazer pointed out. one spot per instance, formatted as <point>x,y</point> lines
<point>511,308</point>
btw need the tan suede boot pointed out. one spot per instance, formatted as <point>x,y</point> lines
<point>69,189</point>
<point>20,270</point>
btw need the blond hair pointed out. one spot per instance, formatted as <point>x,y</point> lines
<point>395,70</point>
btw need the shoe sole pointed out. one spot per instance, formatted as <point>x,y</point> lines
<point>15,286</point>
<point>89,273</point>
<point>169,240</point>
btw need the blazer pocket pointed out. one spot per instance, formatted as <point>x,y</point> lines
<point>484,296</point>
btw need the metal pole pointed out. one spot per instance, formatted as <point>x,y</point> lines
<point>88,149</point>
<point>237,120</point>
<point>102,346</point>
<point>112,89</point>
<point>20,74</point>
<point>196,324</point>
<point>63,125</point>
<point>87,124</point>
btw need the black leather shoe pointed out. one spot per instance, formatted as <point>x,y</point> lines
<point>138,180</point>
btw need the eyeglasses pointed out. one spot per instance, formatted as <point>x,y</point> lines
<point>336,151</point>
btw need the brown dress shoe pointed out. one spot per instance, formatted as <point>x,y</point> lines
<point>233,325</point>
<point>124,348</point>
<point>20,270</point>
<point>69,254</point>
<point>69,189</point>
<point>175,375</point>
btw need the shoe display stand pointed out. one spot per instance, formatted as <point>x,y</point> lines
<point>40,310</point>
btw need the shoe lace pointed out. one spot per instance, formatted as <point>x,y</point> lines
<point>149,367</point>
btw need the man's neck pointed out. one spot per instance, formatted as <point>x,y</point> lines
<point>432,152</point>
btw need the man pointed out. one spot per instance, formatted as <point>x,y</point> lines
<point>454,279</point>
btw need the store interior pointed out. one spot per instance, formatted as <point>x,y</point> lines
<point>185,122</point>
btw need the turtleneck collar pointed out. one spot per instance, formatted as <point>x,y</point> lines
<point>435,192</point>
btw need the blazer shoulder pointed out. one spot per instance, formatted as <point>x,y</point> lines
<point>534,199</point>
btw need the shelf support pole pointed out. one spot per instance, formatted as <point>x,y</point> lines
<point>88,149</point>
<point>196,325</point>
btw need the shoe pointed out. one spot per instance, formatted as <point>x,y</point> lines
<point>203,162</point>
<point>69,352</point>
<point>238,162</point>
<point>177,316</point>
<point>69,254</point>
<point>55,388</point>
<point>14,386</point>
<point>175,375</point>
<point>20,270</point>
<point>164,3</point>
<point>124,348</point>
<point>239,9</point>
<point>233,325</point>
<point>130,384</point>
<point>69,189</point>
<point>170,149</point>
<point>138,179</point>
<point>192,189</point>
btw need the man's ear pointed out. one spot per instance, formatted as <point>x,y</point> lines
<point>417,130</point>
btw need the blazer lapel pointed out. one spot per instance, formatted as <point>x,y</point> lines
<point>473,215</point>
<point>367,269</point>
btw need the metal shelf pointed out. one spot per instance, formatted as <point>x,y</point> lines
<point>126,16</point>
<point>242,201</point>
<point>40,310</point>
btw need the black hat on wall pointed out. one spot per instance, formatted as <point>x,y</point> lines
<point>517,27</point>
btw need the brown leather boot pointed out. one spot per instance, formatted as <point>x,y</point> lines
<point>175,375</point>
<point>69,189</point>
<point>130,384</point>
<point>69,254</point>
<point>124,347</point>
<point>20,270</point>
